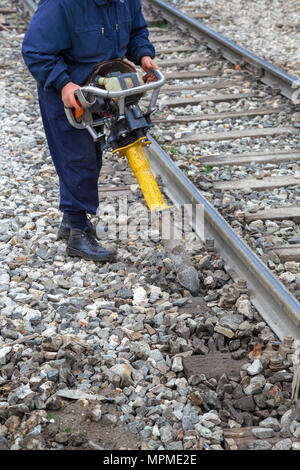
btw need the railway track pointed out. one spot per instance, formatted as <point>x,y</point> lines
<point>211,124</point>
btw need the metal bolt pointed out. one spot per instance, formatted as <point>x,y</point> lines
<point>242,283</point>
<point>241,286</point>
<point>286,347</point>
<point>275,345</point>
<point>276,362</point>
<point>288,341</point>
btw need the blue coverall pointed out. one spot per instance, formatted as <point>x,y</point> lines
<point>64,41</point>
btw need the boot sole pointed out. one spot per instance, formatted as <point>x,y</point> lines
<point>80,254</point>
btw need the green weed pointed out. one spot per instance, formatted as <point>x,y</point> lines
<point>206,169</point>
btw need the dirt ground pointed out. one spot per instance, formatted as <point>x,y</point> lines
<point>74,428</point>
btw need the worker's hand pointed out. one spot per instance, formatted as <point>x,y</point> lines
<point>148,64</point>
<point>68,97</point>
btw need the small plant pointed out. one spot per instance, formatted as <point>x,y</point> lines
<point>158,137</point>
<point>67,430</point>
<point>206,169</point>
<point>173,150</point>
<point>49,417</point>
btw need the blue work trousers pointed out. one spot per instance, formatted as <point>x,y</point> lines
<point>76,157</point>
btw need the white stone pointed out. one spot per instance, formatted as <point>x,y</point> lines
<point>286,418</point>
<point>270,422</point>
<point>296,433</point>
<point>203,431</point>
<point>4,277</point>
<point>31,314</point>
<point>258,380</point>
<point>49,332</point>
<point>138,402</point>
<point>96,413</point>
<point>285,444</point>
<point>233,424</point>
<point>210,416</point>
<point>263,433</point>
<point>287,277</point>
<point>255,368</point>
<point>114,340</point>
<point>121,369</point>
<point>23,391</point>
<point>3,354</point>
<point>177,364</point>
<point>155,293</point>
<point>244,307</point>
<point>155,431</point>
<point>139,295</point>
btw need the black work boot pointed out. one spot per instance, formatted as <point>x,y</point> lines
<point>82,243</point>
<point>65,227</point>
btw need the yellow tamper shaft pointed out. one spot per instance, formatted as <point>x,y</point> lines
<point>140,166</point>
<point>186,273</point>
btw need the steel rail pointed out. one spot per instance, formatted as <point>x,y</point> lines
<point>277,306</point>
<point>271,75</point>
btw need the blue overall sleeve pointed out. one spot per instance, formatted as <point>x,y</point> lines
<point>47,36</point>
<point>139,44</point>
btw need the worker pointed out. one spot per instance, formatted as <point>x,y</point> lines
<point>65,40</point>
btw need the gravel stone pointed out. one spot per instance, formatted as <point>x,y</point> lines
<point>177,364</point>
<point>255,368</point>
<point>263,433</point>
<point>272,423</point>
<point>285,444</point>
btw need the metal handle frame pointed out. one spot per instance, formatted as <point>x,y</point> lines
<point>87,97</point>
